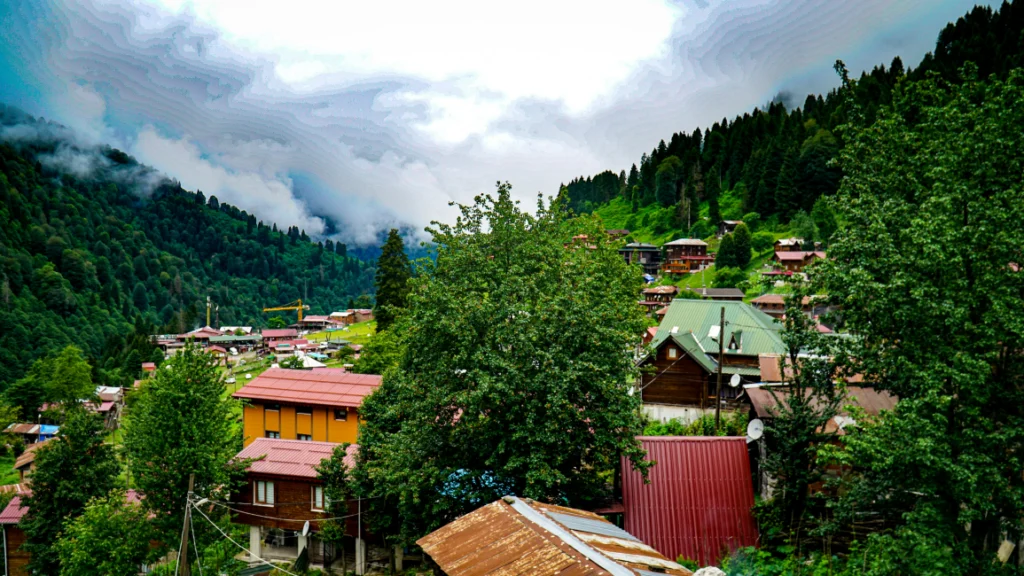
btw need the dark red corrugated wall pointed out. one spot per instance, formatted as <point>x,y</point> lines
<point>698,502</point>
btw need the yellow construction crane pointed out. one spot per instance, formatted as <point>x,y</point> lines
<point>297,305</point>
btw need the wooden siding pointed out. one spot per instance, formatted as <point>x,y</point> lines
<point>678,381</point>
<point>17,559</point>
<point>321,425</point>
<point>293,500</point>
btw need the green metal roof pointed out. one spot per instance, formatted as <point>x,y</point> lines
<point>231,338</point>
<point>756,332</point>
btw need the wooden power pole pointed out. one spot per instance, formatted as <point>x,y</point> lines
<point>721,357</point>
<point>183,558</point>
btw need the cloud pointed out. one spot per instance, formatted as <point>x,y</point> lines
<point>378,114</point>
<point>266,196</point>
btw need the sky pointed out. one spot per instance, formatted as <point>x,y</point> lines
<point>381,114</point>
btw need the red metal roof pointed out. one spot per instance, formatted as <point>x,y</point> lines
<point>280,333</point>
<point>294,458</point>
<point>870,400</point>
<point>795,255</point>
<point>14,511</point>
<point>322,387</point>
<point>698,502</point>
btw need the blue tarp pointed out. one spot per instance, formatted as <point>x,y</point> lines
<point>48,429</point>
<point>648,278</point>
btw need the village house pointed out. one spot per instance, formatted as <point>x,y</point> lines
<point>648,256</point>
<point>241,343</point>
<point>657,297</point>
<point>317,405</point>
<point>282,493</point>
<point>686,255</point>
<point>696,501</point>
<point>679,378</point>
<point>32,433</point>
<point>727,294</point>
<point>245,330</point>
<point>315,323</point>
<point>16,559</point>
<point>201,335</point>
<point>617,233</point>
<point>521,536</point>
<point>789,244</point>
<point>273,336</point>
<point>25,464</point>
<point>148,367</point>
<point>728,227</point>
<point>795,261</point>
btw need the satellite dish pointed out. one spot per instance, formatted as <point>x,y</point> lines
<point>305,528</point>
<point>632,391</point>
<point>755,429</point>
<point>734,381</point>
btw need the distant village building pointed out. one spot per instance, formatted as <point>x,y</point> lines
<point>686,255</point>
<point>317,405</point>
<point>648,256</point>
<point>521,536</point>
<point>685,357</point>
<point>789,244</point>
<point>235,329</point>
<point>697,501</point>
<point>795,261</point>
<point>728,294</point>
<point>315,323</point>
<point>728,227</point>
<point>657,297</point>
<point>273,336</point>
<point>617,233</point>
<point>282,493</point>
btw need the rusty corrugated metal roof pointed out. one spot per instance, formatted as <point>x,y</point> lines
<point>14,511</point>
<point>698,502</point>
<point>518,536</point>
<point>870,400</point>
<point>295,458</point>
<point>321,387</point>
<point>29,455</point>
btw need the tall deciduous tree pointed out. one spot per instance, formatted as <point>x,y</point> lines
<point>516,370</point>
<point>393,273</point>
<point>111,536</point>
<point>927,269</point>
<point>180,425</point>
<point>71,469</point>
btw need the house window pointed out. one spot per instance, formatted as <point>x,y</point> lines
<point>341,414</point>
<point>264,493</point>
<point>308,411</point>
<point>273,407</point>
<point>272,434</point>
<point>672,353</point>
<point>318,498</point>
<point>305,437</point>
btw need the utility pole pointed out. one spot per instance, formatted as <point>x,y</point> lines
<point>207,310</point>
<point>183,559</point>
<point>721,357</point>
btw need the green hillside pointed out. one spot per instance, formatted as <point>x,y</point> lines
<point>103,257</point>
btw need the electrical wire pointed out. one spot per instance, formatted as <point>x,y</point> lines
<point>281,519</point>
<point>232,540</point>
<point>195,545</point>
<point>177,560</point>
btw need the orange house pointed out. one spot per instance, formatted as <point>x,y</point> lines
<point>321,405</point>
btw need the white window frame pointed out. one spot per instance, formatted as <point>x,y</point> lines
<point>323,499</point>
<point>673,353</point>
<point>267,488</point>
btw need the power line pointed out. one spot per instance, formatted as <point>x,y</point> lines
<point>230,539</point>
<point>199,558</point>
<point>281,519</point>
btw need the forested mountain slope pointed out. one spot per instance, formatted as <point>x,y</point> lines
<point>775,160</point>
<point>93,244</point>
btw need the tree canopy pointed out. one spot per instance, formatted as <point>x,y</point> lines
<point>392,283</point>
<point>515,370</point>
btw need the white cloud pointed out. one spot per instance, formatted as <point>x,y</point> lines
<point>269,198</point>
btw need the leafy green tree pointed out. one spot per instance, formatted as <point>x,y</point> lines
<point>70,471</point>
<point>670,171</point>
<point>111,536</point>
<point>824,219</point>
<point>338,490</point>
<point>803,227</point>
<point>69,377</point>
<point>728,278</point>
<point>762,242</point>
<point>180,425</point>
<point>726,255</point>
<point>393,273</point>
<point>515,373</point>
<point>741,243</point>
<point>277,322</point>
<point>929,259</point>
<point>382,352</point>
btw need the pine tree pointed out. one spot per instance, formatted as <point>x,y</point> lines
<point>741,245</point>
<point>393,273</point>
<point>726,257</point>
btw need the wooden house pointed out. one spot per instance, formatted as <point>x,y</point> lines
<point>795,261</point>
<point>647,256</point>
<point>282,493</point>
<point>789,245</point>
<point>657,297</point>
<point>686,255</point>
<point>272,336</point>
<point>679,378</point>
<point>728,227</point>
<point>316,405</point>
<point>773,305</point>
<point>617,233</point>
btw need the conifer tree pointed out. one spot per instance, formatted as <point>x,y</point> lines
<point>726,257</point>
<point>741,241</point>
<point>393,273</point>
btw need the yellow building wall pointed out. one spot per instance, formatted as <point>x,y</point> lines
<point>320,424</point>
<point>288,422</point>
<point>304,424</point>
<point>343,430</point>
<point>252,423</point>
